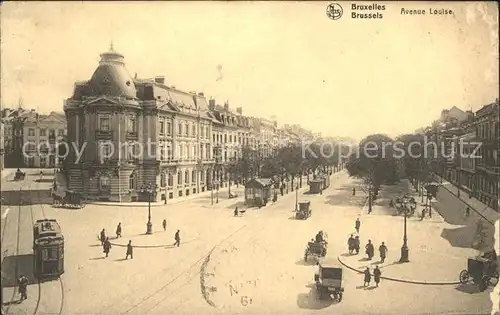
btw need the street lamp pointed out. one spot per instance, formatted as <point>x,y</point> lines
<point>404,249</point>
<point>296,197</point>
<point>150,189</point>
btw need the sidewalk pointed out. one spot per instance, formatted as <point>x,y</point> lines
<point>475,205</point>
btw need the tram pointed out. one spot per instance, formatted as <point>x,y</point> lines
<point>48,249</point>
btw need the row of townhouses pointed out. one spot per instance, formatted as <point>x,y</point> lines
<point>469,146</point>
<point>134,132</point>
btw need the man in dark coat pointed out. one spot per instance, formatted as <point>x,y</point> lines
<point>351,243</point>
<point>376,275</point>
<point>106,246</point>
<point>129,250</point>
<point>23,287</point>
<point>467,212</point>
<point>423,215</point>
<point>357,225</point>
<point>236,211</point>
<point>369,250</point>
<point>383,252</point>
<point>354,191</point>
<point>164,223</point>
<point>119,230</point>
<point>357,244</point>
<point>177,238</point>
<point>367,277</point>
<point>103,236</point>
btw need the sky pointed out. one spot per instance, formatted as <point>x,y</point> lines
<point>345,77</point>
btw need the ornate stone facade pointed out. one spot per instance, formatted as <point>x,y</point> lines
<point>126,133</point>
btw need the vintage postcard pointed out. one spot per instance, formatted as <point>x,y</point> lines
<point>249,157</point>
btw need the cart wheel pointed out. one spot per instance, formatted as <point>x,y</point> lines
<point>464,276</point>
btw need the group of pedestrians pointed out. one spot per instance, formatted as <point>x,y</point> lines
<point>106,244</point>
<point>353,244</point>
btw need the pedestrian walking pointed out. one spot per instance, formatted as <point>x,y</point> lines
<point>23,287</point>
<point>351,242</point>
<point>376,275</point>
<point>164,223</point>
<point>354,191</point>
<point>129,250</point>
<point>119,230</point>
<point>369,250</point>
<point>357,225</point>
<point>367,277</point>
<point>383,252</point>
<point>356,244</point>
<point>41,175</point>
<point>423,215</point>
<point>106,246</point>
<point>467,212</point>
<point>236,211</point>
<point>177,238</point>
<point>103,236</point>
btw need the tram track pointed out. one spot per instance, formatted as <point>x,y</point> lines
<point>18,238</point>
<point>39,283</point>
<point>33,201</point>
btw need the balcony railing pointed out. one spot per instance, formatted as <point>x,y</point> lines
<point>103,134</point>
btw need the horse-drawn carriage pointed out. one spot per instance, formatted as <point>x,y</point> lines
<point>483,270</point>
<point>316,249</point>
<point>304,210</point>
<point>72,199</point>
<point>18,175</point>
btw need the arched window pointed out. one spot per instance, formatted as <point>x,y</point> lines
<point>170,180</point>
<point>163,180</point>
<point>179,178</point>
<point>132,181</point>
<point>104,183</point>
<point>193,176</point>
<point>186,175</point>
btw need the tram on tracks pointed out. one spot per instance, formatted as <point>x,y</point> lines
<point>48,249</point>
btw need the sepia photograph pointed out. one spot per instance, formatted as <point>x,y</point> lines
<point>249,157</point>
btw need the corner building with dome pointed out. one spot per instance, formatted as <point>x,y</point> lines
<point>113,115</point>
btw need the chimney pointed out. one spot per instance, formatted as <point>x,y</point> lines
<point>239,110</point>
<point>226,106</point>
<point>211,104</point>
<point>160,79</point>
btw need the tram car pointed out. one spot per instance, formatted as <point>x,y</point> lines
<point>48,249</point>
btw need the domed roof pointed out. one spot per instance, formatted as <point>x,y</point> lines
<point>111,78</point>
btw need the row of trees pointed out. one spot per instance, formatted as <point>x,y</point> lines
<point>287,163</point>
<point>376,161</point>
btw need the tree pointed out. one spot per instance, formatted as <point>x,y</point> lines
<point>374,164</point>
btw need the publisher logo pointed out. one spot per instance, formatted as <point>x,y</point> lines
<point>334,11</point>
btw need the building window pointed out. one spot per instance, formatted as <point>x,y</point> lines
<point>202,176</point>
<point>170,180</point>
<point>193,176</point>
<point>169,128</point>
<point>193,130</point>
<point>31,132</point>
<point>186,177</point>
<point>162,151</point>
<point>162,127</point>
<point>43,132</point>
<point>132,181</point>
<point>104,183</point>
<point>225,138</point>
<point>104,124</point>
<point>132,124</point>
<point>179,178</point>
<point>105,148</point>
<point>179,127</point>
<point>185,129</point>
<point>169,151</point>
<point>163,180</point>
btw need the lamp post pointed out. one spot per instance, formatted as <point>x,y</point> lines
<point>296,197</point>
<point>150,189</point>
<point>404,249</point>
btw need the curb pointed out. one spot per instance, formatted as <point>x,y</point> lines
<point>402,280</point>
